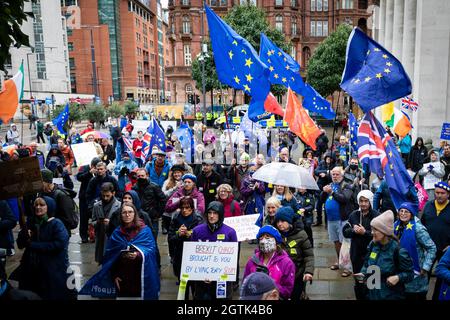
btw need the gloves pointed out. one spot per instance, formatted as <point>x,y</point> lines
<point>124,171</point>
<point>430,167</point>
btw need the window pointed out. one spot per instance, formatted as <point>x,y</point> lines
<point>294,3</point>
<point>223,3</point>
<point>185,2</point>
<point>319,5</point>
<point>313,28</point>
<point>347,4</point>
<point>187,55</point>
<point>325,5</point>
<point>70,46</point>
<point>278,3</point>
<point>319,28</point>
<point>294,26</point>
<point>186,25</point>
<point>279,23</point>
<point>325,29</point>
<point>293,53</point>
<point>313,5</point>
<point>72,63</point>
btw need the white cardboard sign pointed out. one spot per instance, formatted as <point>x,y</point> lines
<point>212,261</point>
<point>244,225</point>
<point>84,153</point>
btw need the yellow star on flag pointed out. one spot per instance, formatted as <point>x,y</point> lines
<point>391,166</point>
<point>236,79</point>
<point>284,59</point>
<point>292,78</point>
<point>367,79</point>
<point>269,53</point>
<point>287,67</point>
<point>248,62</point>
<point>385,56</point>
<point>249,77</point>
<point>230,53</point>
<point>409,226</point>
<point>247,88</point>
<point>390,154</point>
<point>243,51</point>
<point>368,52</point>
<point>235,43</point>
<point>376,50</point>
<point>389,64</point>
<point>283,79</point>
<point>271,68</point>
<point>268,60</point>
<point>357,81</point>
<point>379,76</point>
<point>279,53</point>
<point>387,70</point>
<point>276,76</point>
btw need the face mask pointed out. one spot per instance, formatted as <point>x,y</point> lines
<point>142,181</point>
<point>267,245</point>
<point>353,166</point>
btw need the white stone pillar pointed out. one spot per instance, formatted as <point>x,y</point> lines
<point>381,22</point>
<point>409,37</point>
<point>397,38</point>
<point>389,26</point>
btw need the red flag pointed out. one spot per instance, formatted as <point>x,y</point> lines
<point>299,121</point>
<point>271,105</point>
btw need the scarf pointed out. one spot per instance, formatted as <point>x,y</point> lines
<point>41,220</point>
<point>440,207</point>
<point>407,235</point>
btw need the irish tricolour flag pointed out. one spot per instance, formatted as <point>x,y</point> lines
<point>11,95</point>
<point>397,120</point>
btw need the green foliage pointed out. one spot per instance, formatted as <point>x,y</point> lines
<point>12,16</point>
<point>116,110</point>
<point>130,107</point>
<point>95,113</point>
<point>327,63</point>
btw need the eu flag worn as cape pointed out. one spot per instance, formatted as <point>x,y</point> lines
<point>372,75</point>
<point>61,119</point>
<point>376,148</point>
<point>237,63</point>
<point>101,284</point>
<point>284,70</point>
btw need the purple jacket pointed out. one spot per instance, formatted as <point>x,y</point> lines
<point>174,201</point>
<point>203,233</point>
<point>248,193</point>
<point>281,270</point>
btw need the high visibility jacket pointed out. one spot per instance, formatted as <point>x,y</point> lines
<point>209,116</point>
<point>199,116</point>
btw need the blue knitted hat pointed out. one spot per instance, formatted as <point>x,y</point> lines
<point>189,176</point>
<point>270,231</point>
<point>409,206</point>
<point>285,214</point>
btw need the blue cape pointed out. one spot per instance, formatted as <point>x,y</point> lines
<point>408,242</point>
<point>101,285</point>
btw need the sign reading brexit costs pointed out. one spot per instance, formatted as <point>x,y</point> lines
<point>214,261</point>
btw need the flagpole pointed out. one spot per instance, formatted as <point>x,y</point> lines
<point>226,121</point>
<point>334,121</point>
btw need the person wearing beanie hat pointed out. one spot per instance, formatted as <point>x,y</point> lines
<point>259,286</point>
<point>297,245</point>
<point>415,239</point>
<point>47,176</point>
<point>188,188</point>
<point>272,260</point>
<point>391,261</point>
<point>212,230</point>
<point>158,168</point>
<point>431,172</point>
<point>358,229</point>
<point>189,176</point>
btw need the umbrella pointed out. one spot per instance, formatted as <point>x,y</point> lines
<point>97,135</point>
<point>286,174</point>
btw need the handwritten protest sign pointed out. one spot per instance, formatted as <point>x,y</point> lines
<point>20,177</point>
<point>244,225</point>
<point>84,153</point>
<point>210,260</point>
<point>445,133</point>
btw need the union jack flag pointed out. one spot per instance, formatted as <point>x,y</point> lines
<point>128,143</point>
<point>146,145</point>
<point>409,104</point>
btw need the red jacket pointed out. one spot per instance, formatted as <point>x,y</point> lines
<point>137,151</point>
<point>227,207</point>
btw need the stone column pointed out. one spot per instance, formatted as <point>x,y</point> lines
<point>381,21</point>
<point>397,38</point>
<point>389,24</point>
<point>409,37</point>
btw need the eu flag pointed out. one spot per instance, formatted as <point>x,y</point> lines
<point>376,148</point>
<point>185,137</point>
<point>158,138</point>
<point>372,75</point>
<point>285,70</point>
<point>237,63</point>
<point>61,119</point>
<point>353,129</point>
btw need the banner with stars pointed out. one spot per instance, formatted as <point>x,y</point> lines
<point>353,129</point>
<point>61,119</point>
<point>238,64</point>
<point>372,75</point>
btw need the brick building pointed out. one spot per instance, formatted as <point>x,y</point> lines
<point>304,22</point>
<point>126,36</point>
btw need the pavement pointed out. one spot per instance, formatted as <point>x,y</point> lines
<point>327,284</point>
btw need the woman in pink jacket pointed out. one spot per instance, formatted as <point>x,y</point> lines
<point>187,189</point>
<point>271,259</point>
<point>225,196</point>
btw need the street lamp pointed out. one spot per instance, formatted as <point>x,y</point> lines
<point>203,56</point>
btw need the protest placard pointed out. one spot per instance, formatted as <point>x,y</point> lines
<point>20,177</point>
<point>140,125</point>
<point>84,153</point>
<point>244,225</point>
<point>445,133</point>
<point>210,261</point>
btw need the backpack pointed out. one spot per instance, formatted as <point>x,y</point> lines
<point>74,216</point>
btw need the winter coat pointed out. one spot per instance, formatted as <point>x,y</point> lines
<point>430,175</point>
<point>44,263</point>
<point>306,201</point>
<point>391,260</point>
<point>13,137</point>
<point>443,271</point>
<point>93,188</point>
<point>152,199</point>
<point>174,201</point>
<point>323,168</point>
<point>281,270</point>
<point>322,143</point>
<point>290,203</point>
<point>228,209</point>
<point>446,162</point>
<point>208,186</point>
<point>64,205</point>
<point>382,200</point>
<point>159,180</point>
<point>438,226</point>
<point>108,154</point>
<point>7,223</point>
<point>417,158</point>
<point>123,178</point>
<point>359,243</point>
<point>53,161</point>
<point>426,250</point>
<point>69,158</point>
<point>405,144</point>
<point>235,176</point>
<point>297,246</point>
<point>344,196</point>
<point>253,199</point>
<point>84,175</point>
<point>176,242</point>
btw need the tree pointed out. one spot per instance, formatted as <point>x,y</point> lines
<point>12,16</point>
<point>130,108</point>
<point>116,110</point>
<point>95,113</point>
<point>75,113</point>
<point>327,63</point>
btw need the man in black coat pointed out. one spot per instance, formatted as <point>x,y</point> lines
<point>101,176</point>
<point>358,229</point>
<point>208,181</point>
<point>7,223</point>
<point>84,175</point>
<point>153,200</point>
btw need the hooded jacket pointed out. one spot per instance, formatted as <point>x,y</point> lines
<point>53,160</point>
<point>174,201</point>
<point>123,178</point>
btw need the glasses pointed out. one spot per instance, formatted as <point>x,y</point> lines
<point>224,191</point>
<point>186,207</point>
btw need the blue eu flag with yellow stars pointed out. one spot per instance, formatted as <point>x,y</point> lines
<point>237,63</point>
<point>61,119</point>
<point>285,70</point>
<point>372,75</point>
<point>158,137</point>
<point>353,129</point>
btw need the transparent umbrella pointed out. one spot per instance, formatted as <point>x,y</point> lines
<point>286,174</point>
